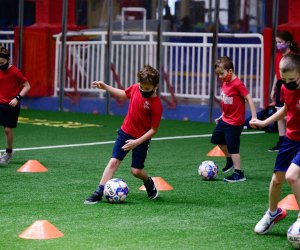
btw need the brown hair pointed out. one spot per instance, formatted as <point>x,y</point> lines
<point>290,62</point>
<point>224,62</point>
<point>288,37</point>
<point>148,75</point>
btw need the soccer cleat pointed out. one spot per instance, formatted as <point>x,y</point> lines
<point>93,199</point>
<point>275,148</point>
<point>227,168</point>
<point>268,221</point>
<point>5,158</point>
<point>151,189</point>
<point>235,177</point>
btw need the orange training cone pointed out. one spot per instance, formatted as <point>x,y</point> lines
<point>32,166</point>
<point>289,203</point>
<point>216,151</point>
<point>160,184</point>
<point>41,230</point>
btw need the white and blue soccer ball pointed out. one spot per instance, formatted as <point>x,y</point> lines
<point>293,234</point>
<point>208,170</point>
<point>116,190</point>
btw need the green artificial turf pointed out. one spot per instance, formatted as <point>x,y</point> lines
<point>197,214</point>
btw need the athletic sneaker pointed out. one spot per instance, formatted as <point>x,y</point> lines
<point>276,147</point>
<point>151,189</point>
<point>268,221</point>
<point>5,158</point>
<point>227,168</point>
<point>93,199</point>
<point>235,177</point>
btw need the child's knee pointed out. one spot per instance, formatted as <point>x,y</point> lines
<point>135,171</point>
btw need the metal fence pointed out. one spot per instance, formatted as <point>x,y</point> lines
<point>186,61</point>
<point>7,40</point>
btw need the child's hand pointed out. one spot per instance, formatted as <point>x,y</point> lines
<point>98,84</point>
<point>218,119</point>
<point>13,102</point>
<point>130,144</point>
<point>255,123</point>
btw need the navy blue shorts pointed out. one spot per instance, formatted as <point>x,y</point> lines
<point>139,153</point>
<point>226,134</point>
<point>278,103</point>
<point>9,115</point>
<point>289,153</point>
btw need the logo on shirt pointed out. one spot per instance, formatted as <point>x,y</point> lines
<point>227,99</point>
<point>146,105</point>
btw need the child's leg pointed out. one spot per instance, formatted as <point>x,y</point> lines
<point>109,171</point>
<point>224,150</point>
<point>140,173</point>
<point>236,161</point>
<point>293,178</point>
<point>276,183</point>
<point>9,137</point>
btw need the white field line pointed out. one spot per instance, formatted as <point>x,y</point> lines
<point>111,142</point>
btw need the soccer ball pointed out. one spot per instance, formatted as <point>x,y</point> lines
<point>293,234</point>
<point>208,170</point>
<point>115,190</point>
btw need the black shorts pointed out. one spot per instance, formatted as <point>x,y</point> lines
<point>229,135</point>
<point>9,115</point>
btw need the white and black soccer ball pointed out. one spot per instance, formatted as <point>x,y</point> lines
<point>116,190</point>
<point>208,170</point>
<point>293,234</point>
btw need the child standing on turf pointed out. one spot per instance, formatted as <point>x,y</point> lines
<point>285,44</point>
<point>287,165</point>
<point>230,124</point>
<point>13,87</point>
<point>140,124</point>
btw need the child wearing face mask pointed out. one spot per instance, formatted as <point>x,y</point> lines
<point>140,124</point>
<point>13,87</point>
<point>287,165</point>
<point>230,124</point>
<point>285,44</point>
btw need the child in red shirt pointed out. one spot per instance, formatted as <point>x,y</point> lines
<point>140,124</point>
<point>287,165</point>
<point>13,87</point>
<point>230,124</point>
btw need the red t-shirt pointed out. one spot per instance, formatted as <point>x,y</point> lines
<point>143,113</point>
<point>10,83</point>
<point>233,102</point>
<point>292,100</point>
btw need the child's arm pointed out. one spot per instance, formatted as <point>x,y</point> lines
<point>252,109</point>
<point>131,144</point>
<point>23,92</point>
<point>25,89</point>
<point>251,105</point>
<point>120,93</point>
<point>280,114</point>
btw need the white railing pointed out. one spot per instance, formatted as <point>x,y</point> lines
<point>7,40</point>
<point>187,59</point>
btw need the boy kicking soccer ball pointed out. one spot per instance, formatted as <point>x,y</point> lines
<point>140,124</point>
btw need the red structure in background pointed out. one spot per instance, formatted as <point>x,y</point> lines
<point>293,26</point>
<point>39,44</point>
